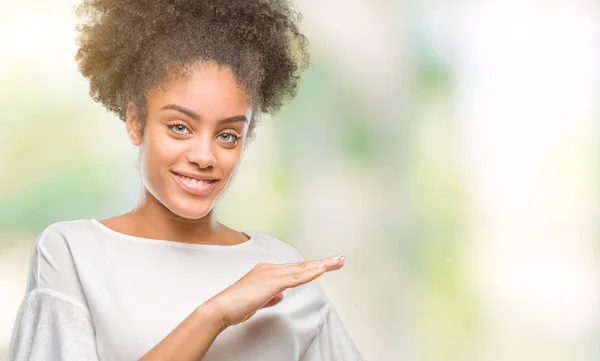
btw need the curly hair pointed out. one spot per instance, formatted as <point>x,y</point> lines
<point>129,47</point>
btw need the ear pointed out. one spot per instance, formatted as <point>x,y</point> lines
<point>133,124</point>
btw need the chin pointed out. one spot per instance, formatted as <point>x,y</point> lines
<point>188,211</point>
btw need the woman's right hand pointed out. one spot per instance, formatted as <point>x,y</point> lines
<point>263,287</point>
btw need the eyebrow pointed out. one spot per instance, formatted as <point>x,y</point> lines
<point>190,113</point>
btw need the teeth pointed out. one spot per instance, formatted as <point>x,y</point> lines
<point>194,182</point>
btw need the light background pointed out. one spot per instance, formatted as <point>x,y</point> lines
<point>448,149</point>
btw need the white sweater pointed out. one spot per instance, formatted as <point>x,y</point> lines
<point>96,294</point>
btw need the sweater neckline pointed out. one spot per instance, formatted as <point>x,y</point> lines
<point>172,243</point>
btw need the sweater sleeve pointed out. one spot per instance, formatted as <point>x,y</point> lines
<point>332,342</point>
<point>53,321</point>
<point>51,327</point>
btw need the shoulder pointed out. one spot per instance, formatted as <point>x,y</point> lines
<point>52,264</point>
<point>52,233</point>
<point>282,248</point>
<point>57,238</point>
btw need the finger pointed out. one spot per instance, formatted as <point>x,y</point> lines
<point>299,278</point>
<point>303,276</point>
<point>300,264</point>
<point>327,266</point>
<point>295,265</point>
<point>340,263</point>
<point>330,264</point>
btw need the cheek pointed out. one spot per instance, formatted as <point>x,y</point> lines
<point>157,154</point>
<point>229,161</point>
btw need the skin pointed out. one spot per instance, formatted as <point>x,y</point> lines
<point>175,140</point>
<point>188,136</point>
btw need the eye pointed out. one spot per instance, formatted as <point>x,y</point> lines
<point>229,137</point>
<point>179,129</point>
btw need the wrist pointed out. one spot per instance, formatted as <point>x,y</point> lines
<point>209,313</point>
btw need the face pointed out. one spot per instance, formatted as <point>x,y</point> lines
<point>193,139</point>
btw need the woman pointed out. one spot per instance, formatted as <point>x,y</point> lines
<point>166,281</point>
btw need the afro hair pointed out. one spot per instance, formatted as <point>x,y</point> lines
<point>129,47</point>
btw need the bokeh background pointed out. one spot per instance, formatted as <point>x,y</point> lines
<point>448,148</point>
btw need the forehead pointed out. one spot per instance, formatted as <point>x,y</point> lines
<point>209,90</point>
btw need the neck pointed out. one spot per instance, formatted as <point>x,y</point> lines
<point>152,219</point>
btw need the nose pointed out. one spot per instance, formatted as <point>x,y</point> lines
<point>201,153</point>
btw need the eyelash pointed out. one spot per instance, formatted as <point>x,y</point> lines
<point>172,127</point>
<point>235,137</point>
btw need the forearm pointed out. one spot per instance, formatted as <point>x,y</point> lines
<point>191,339</point>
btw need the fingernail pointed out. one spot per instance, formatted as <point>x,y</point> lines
<point>339,256</point>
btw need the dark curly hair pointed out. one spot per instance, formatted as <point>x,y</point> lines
<point>129,47</point>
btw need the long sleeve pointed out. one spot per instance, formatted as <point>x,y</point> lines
<point>51,327</point>
<point>53,322</point>
<point>332,342</point>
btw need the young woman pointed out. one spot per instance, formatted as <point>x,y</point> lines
<point>167,281</point>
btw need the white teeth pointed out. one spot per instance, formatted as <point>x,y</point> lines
<point>194,182</point>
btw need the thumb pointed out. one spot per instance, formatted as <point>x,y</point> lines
<point>273,301</point>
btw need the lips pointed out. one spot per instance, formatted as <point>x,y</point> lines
<point>193,185</point>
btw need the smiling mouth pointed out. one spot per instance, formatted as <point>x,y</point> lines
<point>194,185</point>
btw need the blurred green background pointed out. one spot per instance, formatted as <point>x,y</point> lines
<point>448,149</point>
